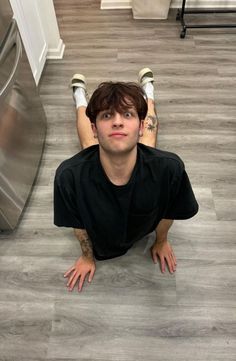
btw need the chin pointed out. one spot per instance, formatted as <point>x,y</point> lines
<point>119,150</point>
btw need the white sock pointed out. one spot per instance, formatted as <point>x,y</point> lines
<point>149,90</point>
<point>80,98</point>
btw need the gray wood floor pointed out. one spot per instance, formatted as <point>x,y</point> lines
<point>131,311</point>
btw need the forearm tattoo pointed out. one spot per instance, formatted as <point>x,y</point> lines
<point>85,243</point>
<point>151,122</point>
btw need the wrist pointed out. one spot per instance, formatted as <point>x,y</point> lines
<point>162,229</point>
<point>160,240</point>
<point>87,258</point>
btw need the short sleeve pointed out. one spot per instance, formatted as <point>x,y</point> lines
<point>66,212</point>
<point>182,203</point>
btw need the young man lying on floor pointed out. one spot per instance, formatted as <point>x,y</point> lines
<point>119,187</point>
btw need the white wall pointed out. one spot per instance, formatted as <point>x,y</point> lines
<point>205,3</point>
<point>127,4</point>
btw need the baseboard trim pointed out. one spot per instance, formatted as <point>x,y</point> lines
<point>127,4</point>
<point>56,53</point>
<point>113,4</point>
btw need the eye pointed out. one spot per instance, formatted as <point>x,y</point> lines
<point>128,114</point>
<point>106,116</point>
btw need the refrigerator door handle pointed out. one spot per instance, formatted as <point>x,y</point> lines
<point>13,39</point>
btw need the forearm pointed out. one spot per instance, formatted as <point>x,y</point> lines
<point>85,243</point>
<point>162,229</point>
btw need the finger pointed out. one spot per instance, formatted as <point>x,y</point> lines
<point>71,278</point>
<point>173,260</point>
<point>91,275</point>
<point>154,257</point>
<point>81,281</point>
<point>69,271</point>
<point>170,265</point>
<point>163,264</point>
<point>72,285</point>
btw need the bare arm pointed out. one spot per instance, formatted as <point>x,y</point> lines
<point>162,229</point>
<point>85,243</point>
<point>85,265</point>
<point>162,248</point>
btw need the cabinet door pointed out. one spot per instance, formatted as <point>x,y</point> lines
<point>28,19</point>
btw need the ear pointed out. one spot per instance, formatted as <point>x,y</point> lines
<point>141,127</point>
<point>94,129</point>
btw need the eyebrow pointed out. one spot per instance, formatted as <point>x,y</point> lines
<point>105,111</point>
<point>124,109</point>
<point>131,110</point>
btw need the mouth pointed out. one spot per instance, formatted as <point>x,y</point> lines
<point>117,135</point>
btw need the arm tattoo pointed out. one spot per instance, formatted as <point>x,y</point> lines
<point>85,243</point>
<point>151,122</point>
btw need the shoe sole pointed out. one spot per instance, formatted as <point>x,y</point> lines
<point>79,81</point>
<point>147,72</point>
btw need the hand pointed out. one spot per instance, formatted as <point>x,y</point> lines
<point>164,251</point>
<point>82,267</point>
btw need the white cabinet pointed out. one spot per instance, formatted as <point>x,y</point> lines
<point>38,27</point>
<point>28,19</point>
<point>48,16</point>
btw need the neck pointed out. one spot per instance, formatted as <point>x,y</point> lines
<point>118,167</point>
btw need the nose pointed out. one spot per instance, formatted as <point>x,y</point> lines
<point>117,120</point>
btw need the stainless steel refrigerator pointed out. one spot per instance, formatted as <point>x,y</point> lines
<point>22,122</point>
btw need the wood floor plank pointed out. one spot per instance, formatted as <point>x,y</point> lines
<point>206,282</point>
<point>25,330</point>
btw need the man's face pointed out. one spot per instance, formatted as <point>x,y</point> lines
<point>118,133</point>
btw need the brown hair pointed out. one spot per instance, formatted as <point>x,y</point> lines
<point>117,96</point>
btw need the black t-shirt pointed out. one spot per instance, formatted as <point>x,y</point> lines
<point>117,216</point>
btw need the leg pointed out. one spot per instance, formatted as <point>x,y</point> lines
<point>84,128</point>
<point>83,124</point>
<point>150,130</point>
